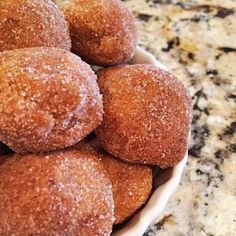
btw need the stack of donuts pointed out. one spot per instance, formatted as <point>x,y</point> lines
<point>77,147</point>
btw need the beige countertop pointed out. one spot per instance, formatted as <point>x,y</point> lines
<point>196,40</point>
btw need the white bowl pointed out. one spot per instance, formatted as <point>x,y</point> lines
<point>165,181</point>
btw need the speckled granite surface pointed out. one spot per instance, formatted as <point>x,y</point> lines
<point>196,40</point>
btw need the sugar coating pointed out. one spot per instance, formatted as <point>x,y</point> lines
<point>103,32</point>
<point>66,193</point>
<point>49,99</point>
<point>33,23</point>
<point>131,183</point>
<point>147,115</point>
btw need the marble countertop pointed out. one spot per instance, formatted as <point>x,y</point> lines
<point>196,40</point>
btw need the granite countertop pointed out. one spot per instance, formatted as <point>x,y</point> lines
<point>196,40</point>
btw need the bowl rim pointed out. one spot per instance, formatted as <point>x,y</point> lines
<point>139,223</point>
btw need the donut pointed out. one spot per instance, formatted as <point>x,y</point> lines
<point>60,193</point>
<point>49,99</point>
<point>147,115</point>
<point>102,32</point>
<point>131,183</point>
<point>34,23</point>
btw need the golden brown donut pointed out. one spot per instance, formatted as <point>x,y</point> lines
<point>103,32</point>
<point>131,183</point>
<point>147,115</point>
<point>62,193</point>
<point>33,23</point>
<point>49,99</point>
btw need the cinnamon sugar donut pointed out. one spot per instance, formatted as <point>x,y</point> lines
<point>103,32</point>
<point>61,193</point>
<point>49,99</point>
<point>147,115</point>
<point>131,183</point>
<point>33,23</point>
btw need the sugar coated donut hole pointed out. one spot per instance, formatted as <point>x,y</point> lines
<point>49,99</point>
<point>131,183</point>
<point>61,193</point>
<point>103,32</point>
<point>34,23</point>
<point>147,115</point>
